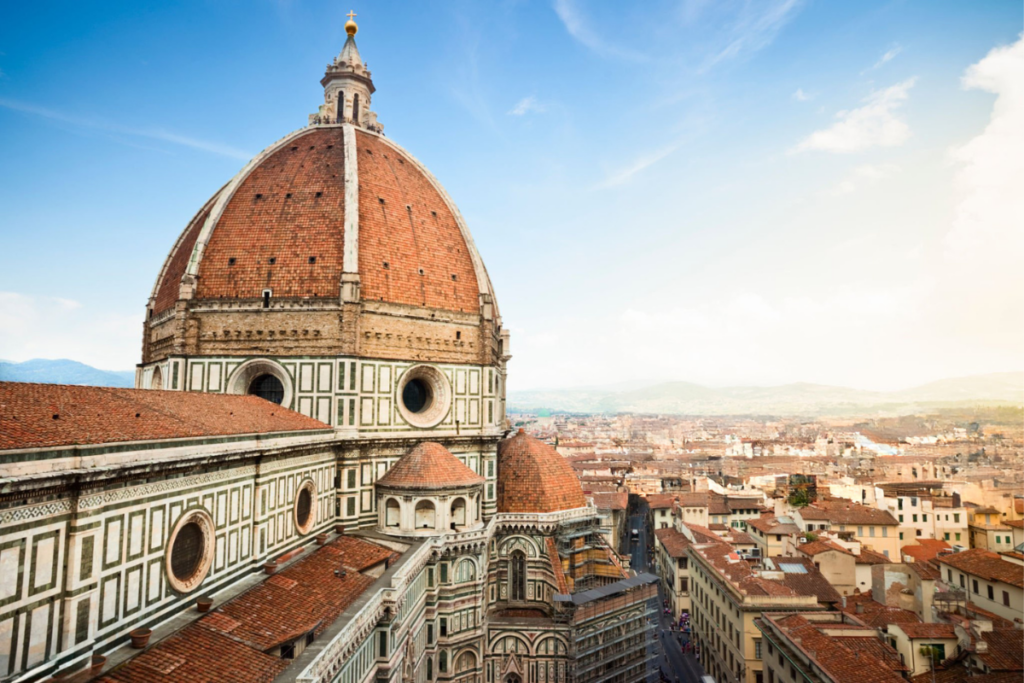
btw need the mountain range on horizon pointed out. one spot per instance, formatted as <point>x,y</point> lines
<point>64,371</point>
<point>800,398</point>
<point>680,398</point>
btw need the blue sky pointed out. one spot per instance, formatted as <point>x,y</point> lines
<point>719,192</point>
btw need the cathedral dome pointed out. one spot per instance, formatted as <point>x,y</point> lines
<point>534,477</point>
<point>323,202</point>
<point>429,465</point>
<point>319,244</point>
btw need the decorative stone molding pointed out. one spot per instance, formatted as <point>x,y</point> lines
<point>202,519</point>
<point>439,400</point>
<point>305,527</point>
<point>244,374</point>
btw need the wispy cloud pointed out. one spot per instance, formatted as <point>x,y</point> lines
<point>876,124</point>
<point>527,105</point>
<point>756,28</point>
<point>577,25</point>
<point>118,129</point>
<point>623,175</point>
<point>801,96</point>
<point>889,55</point>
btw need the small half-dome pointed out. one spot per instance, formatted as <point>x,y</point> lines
<point>533,477</point>
<point>431,466</point>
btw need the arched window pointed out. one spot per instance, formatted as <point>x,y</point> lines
<point>465,571</point>
<point>442,662</point>
<point>430,669</point>
<point>425,515</point>
<point>465,662</point>
<point>517,578</point>
<point>458,512</point>
<point>341,107</point>
<point>513,678</point>
<point>392,513</point>
<point>355,108</point>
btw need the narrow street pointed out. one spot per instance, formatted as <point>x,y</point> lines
<point>671,662</point>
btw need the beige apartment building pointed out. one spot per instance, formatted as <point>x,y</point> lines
<point>728,592</point>
<point>993,582</point>
<point>825,647</point>
<point>988,531</point>
<point>674,568</point>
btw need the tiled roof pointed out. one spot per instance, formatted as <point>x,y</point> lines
<point>306,596</point>
<point>661,501</point>
<point>925,570</point>
<point>808,582</point>
<point>693,500</point>
<point>198,654</point>
<point>1014,523</point>
<point>869,556</point>
<point>769,524</point>
<point>533,477</point>
<point>936,630</point>
<point>611,500</point>
<point>717,505</point>
<point>291,208</point>
<point>53,415</point>
<point>840,657</point>
<point>675,542</point>
<point>429,465</point>
<point>985,564</point>
<point>874,613</point>
<point>1005,650</point>
<point>817,547</point>
<point>702,534</point>
<point>925,549</point>
<point>736,504</point>
<point>845,512</point>
<point>229,643</point>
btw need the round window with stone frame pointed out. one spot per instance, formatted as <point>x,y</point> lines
<point>423,396</point>
<point>304,511</point>
<point>190,550</point>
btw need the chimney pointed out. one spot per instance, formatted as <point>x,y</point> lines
<point>859,609</point>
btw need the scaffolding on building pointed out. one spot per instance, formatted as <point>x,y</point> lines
<point>613,630</point>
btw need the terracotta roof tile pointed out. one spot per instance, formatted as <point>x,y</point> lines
<point>533,477</point>
<point>675,542</point>
<point>429,465</point>
<point>1005,650</point>
<point>52,415</point>
<point>229,643</point>
<point>986,564</point>
<point>936,630</point>
<point>817,547</point>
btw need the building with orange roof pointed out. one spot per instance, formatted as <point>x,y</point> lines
<point>316,444</point>
<point>833,647</point>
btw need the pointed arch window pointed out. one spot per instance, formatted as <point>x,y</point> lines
<point>517,579</point>
<point>355,108</point>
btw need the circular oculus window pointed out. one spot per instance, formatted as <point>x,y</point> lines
<point>190,551</point>
<point>304,499</point>
<point>424,396</point>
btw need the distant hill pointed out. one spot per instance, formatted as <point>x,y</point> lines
<point>63,371</point>
<point>685,398</point>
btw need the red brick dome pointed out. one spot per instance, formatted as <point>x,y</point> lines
<point>429,465</point>
<point>533,477</point>
<point>288,221</point>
